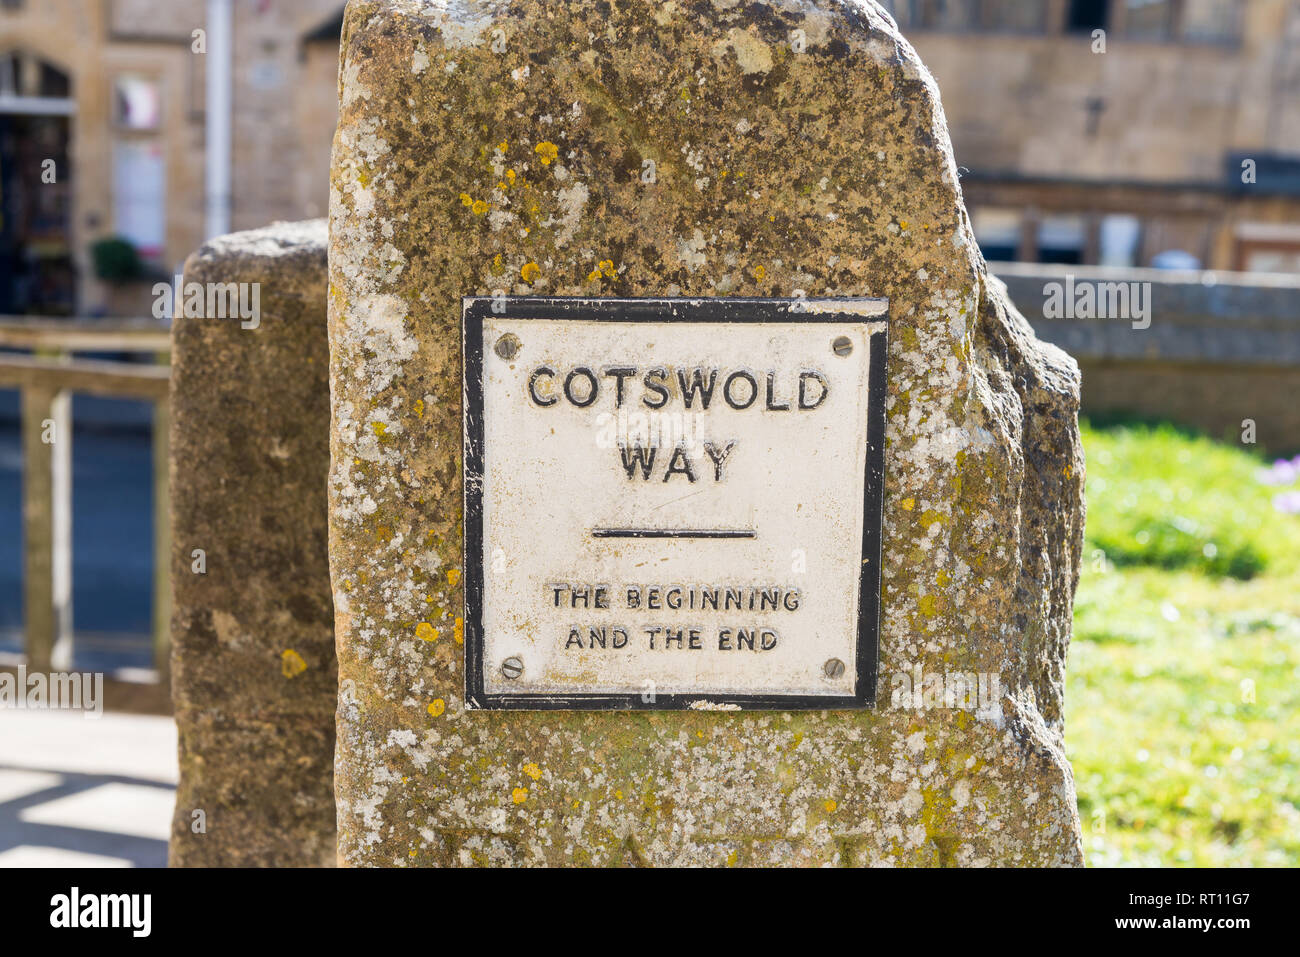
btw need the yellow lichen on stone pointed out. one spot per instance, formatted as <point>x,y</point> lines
<point>546,151</point>
<point>530,272</point>
<point>425,632</point>
<point>291,663</point>
<point>453,576</point>
<point>532,770</point>
<point>436,707</point>
<point>519,795</point>
<point>459,631</point>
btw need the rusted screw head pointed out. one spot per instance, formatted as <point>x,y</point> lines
<point>833,668</point>
<point>842,345</point>
<point>507,346</point>
<point>512,667</point>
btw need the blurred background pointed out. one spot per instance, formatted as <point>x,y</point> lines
<point>1139,141</point>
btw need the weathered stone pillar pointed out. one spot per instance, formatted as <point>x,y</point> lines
<point>767,149</point>
<point>253,669</point>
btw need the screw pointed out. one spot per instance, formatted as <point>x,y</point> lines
<point>512,667</point>
<point>842,346</point>
<point>833,668</point>
<point>507,346</point>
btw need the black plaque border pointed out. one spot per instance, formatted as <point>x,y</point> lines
<point>475,309</point>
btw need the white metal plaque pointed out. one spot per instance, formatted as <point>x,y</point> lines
<point>672,503</point>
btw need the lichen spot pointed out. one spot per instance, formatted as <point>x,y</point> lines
<point>436,707</point>
<point>458,632</point>
<point>425,632</point>
<point>453,576</point>
<point>479,207</point>
<point>519,795</point>
<point>760,272</point>
<point>546,151</point>
<point>909,503</point>
<point>530,272</point>
<point>830,805</point>
<point>532,770</point>
<point>291,663</point>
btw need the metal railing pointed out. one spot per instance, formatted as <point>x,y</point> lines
<point>47,378</point>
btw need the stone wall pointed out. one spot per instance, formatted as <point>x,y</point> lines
<point>1220,348</point>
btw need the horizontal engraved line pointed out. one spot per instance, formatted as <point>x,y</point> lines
<point>673,533</point>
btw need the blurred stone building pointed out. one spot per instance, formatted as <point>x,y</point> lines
<point>1170,138</point>
<point>113,91</point>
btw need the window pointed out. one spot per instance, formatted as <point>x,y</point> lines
<point>140,195</point>
<point>997,231</point>
<point>1061,239</point>
<point>906,13</point>
<point>1086,16</point>
<point>1211,21</point>
<point>1119,239</point>
<point>1268,247</point>
<point>24,74</point>
<point>1149,20</point>
<point>1024,16</point>
<point>137,104</point>
<point>952,14</point>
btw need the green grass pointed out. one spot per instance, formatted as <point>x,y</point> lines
<point>1183,698</point>
<point>1159,496</point>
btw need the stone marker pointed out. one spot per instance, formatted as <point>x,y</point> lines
<point>783,151</point>
<point>253,668</point>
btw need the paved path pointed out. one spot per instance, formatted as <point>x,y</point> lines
<point>85,792</point>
